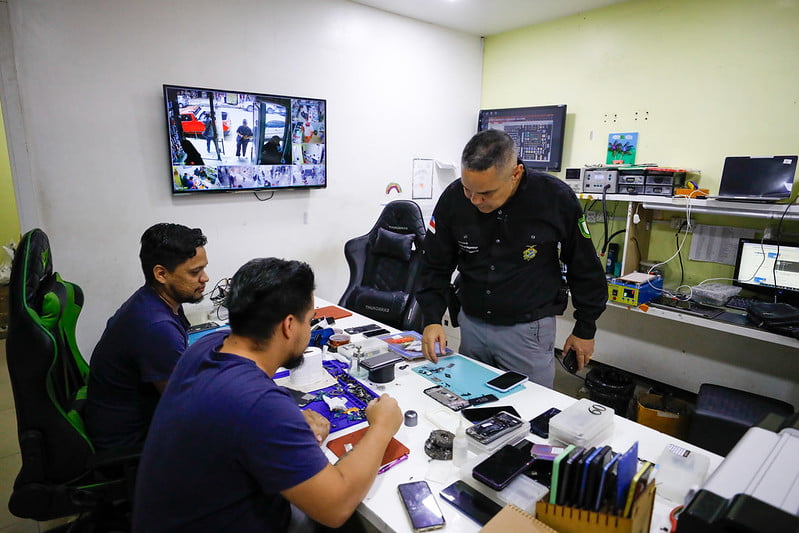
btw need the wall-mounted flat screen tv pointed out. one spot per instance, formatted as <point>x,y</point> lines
<point>538,132</point>
<point>228,141</point>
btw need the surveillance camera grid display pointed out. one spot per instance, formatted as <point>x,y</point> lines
<point>234,141</point>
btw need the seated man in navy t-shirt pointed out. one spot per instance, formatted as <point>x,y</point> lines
<point>134,358</point>
<point>228,449</point>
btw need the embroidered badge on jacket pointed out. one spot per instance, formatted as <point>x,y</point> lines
<point>529,253</point>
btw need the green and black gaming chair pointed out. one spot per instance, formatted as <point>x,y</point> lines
<point>61,475</point>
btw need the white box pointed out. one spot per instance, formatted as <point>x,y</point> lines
<point>585,423</point>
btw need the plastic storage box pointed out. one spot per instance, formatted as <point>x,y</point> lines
<point>586,423</point>
<point>714,293</point>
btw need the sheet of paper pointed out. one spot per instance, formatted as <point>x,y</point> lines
<point>422,178</point>
<point>717,244</point>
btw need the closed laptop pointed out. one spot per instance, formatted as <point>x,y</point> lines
<point>757,179</point>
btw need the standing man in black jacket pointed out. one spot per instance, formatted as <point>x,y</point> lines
<point>507,229</point>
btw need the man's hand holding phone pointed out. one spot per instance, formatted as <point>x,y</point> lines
<point>432,334</point>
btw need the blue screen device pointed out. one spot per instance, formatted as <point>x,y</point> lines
<point>603,481</point>
<point>628,465</point>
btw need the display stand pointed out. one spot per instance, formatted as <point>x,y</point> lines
<point>572,520</point>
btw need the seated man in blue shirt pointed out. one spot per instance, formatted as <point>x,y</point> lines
<point>142,342</point>
<point>228,449</point>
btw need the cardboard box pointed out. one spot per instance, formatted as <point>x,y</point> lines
<point>664,413</point>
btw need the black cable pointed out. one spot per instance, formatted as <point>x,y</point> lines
<point>263,199</point>
<point>587,207</point>
<point>679,252</point>
<point>611,238</point>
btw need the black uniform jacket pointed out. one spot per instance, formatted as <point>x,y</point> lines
<point>510,259</point>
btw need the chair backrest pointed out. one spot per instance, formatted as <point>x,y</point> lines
<point>384,264</point>
<point>48,373</point>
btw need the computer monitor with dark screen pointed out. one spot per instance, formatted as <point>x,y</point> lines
<point>768,267</point>
<point>537,131</point>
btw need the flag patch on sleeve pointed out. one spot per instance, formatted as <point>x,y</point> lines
<point>432,225</point>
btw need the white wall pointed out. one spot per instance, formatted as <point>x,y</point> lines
<point>90,76</point>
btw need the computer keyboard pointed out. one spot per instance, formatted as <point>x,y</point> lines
<point>740,302</point>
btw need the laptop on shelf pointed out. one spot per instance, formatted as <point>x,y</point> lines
<point>757,179</point>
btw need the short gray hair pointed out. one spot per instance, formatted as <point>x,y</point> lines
<point>487,149</point>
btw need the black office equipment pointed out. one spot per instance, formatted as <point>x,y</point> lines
<point>537,131</point>
<point>757,179</point>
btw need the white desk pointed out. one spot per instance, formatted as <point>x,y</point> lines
<point>382,506</point>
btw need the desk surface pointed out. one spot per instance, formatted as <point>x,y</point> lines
<point>382,506</point>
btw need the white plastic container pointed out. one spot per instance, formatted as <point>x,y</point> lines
<point>679,471</point>
<point>585,423</point>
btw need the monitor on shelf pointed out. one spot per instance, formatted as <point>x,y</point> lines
<point>757,264</point>
<point>228,141</point>
<point>538,132</point>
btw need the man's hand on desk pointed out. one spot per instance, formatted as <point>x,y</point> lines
<point>384,413</point>
<point>432,334</point>
<point>583,347</point>
<point>318,424</point>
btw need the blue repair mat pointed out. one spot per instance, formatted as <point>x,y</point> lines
<point>464,377</point>
<point>356,395</point>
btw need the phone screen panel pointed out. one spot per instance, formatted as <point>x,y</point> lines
<point>474,504</point>
<point>421,506</point>
<point>506,381</point>
<point>478,414</point>
<point>505,464</point>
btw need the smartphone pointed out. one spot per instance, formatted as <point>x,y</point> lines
<point>540,424</point>
<point>478,414</point>
<point>446,397</point>
<point>505,382</point>
<point>567,471</point>
<point>593,473</point>
<point>502,466</point>
<point>490,430</point>
<point>474,504</point>
<point>573,496</point>
<point>637,486</point>
<point>606,485</point>
<point>570,361</point>
<point>381,360</point>
<point>375,332</point>
<point>421,506</point>
<point>361,329</point>
<point>556,466</point>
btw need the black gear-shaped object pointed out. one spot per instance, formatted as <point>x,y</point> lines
<point>439,445</point>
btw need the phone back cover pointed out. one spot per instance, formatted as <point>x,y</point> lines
<point>628,464</point>
<point>394,451</point>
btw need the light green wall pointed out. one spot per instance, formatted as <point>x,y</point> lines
<point>716,77</point>
<point>9,221</point>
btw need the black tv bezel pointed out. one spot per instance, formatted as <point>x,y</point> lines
<point>773,290</point>
<point>174,192</point>
<point>558,131</point>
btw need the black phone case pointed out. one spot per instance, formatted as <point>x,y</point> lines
<point>509,459</point>
<point>567,470</point>
<point>540,424</point>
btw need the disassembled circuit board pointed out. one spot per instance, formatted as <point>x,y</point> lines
<point>354,394</point>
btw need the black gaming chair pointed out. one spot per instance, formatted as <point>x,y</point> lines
<point>383,267</point>
<point>61,475</point>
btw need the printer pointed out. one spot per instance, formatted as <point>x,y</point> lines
<point>755,489</point>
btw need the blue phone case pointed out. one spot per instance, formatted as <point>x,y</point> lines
<point>603,480</point>
<point>580,498</point>
<point>628,465</point>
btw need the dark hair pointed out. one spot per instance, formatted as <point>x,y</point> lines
<point>265,291</point>
<point>487,149</point>
<point>168,245</point>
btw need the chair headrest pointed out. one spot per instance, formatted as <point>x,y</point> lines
<point>403,217</point>
<point>32,269</point>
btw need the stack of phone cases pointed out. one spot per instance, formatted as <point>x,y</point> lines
<point>611,488</point>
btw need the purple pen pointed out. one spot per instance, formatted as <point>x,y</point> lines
<point>392,463</point>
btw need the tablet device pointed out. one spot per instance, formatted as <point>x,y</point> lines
<point>556,466</point>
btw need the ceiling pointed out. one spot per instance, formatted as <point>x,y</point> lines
<point>486,17</point>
